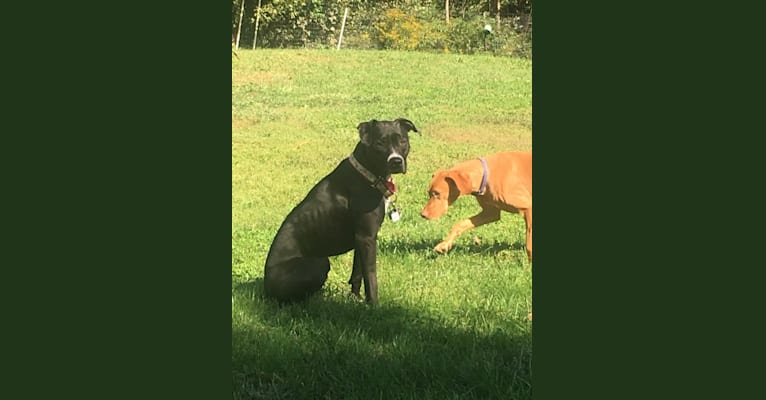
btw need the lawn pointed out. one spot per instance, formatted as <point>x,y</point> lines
<point>448,326</point>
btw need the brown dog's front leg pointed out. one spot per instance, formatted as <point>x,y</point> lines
<point>486,216</point>
<point>528,221</point>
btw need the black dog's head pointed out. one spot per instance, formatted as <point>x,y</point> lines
<point>385,145</point>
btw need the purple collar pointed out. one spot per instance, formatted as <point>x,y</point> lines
<point>484,176</point>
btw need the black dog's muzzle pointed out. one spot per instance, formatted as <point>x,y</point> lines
<point>396,164</point>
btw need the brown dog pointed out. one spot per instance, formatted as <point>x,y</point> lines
<point>501,181</point>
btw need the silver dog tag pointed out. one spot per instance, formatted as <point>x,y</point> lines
<point>394,215</point>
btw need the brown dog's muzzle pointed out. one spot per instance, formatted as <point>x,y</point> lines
<point>434,209</point>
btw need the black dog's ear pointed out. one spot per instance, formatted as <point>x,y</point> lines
<point>364,130</point>
<point>407,124</point>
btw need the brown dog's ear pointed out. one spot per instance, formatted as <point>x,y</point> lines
<point>440,175</point>
<point>364,130</point>
<point>462,181</point>
<point>407,125</point>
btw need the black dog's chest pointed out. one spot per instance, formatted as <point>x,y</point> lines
<point>330,233</point>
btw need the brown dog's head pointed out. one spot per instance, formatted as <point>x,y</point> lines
<point>445,188</point>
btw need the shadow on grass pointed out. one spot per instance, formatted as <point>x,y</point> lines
<point>252,290</point>
<point>333,347</point>
<point>461,247</point>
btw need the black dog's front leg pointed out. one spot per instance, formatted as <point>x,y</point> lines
<point>356,275</point>
<point>365,255</point>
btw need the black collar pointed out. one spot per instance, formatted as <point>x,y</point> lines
<point>384,185</point>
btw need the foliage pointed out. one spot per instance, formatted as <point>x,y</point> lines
<point>398,31</point>
<point>287,23</point>
<point>510,42</point>
<point>390,24</point>
<point>466,36</point>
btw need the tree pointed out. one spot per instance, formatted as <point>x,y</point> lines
<point>239,24</point>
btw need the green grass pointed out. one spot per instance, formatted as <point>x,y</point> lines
<point>448,326</point>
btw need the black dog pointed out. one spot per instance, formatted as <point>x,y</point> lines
<point>343,211</point>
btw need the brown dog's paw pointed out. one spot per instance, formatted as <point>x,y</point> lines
<point>442,247</point>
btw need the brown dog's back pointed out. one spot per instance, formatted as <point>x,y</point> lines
<point>509,185</point>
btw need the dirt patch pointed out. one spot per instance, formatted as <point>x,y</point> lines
<point>510,136</point>
<point>257,77</point>
<point>241,123</point>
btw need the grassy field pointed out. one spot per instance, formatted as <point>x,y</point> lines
<point>448,326</point>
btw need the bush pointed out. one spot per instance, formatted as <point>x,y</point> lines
<point>466,36</point>
<point>357,40</point>
<point>398,30</point>
<point>434,36</point>
<point>507,42</point>
<point>460,36</point>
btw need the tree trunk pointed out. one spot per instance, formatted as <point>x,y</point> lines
<point>498,16</point>
<point>257,19</point>
<point>239,25</point>
<point>446,10</point>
